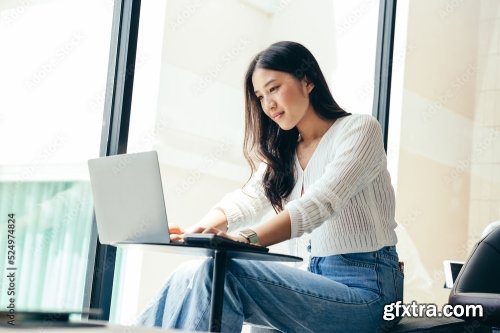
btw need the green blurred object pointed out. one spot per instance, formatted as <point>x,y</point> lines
<point>52,236</point>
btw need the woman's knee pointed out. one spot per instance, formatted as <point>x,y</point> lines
<point>184,274</point>
<point>241,266</point>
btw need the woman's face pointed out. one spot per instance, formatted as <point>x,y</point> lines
<point>284,98</point>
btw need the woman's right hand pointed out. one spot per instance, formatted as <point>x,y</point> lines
<point>214,222</point>
<point>177,233</point>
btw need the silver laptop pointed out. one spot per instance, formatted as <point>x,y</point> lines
<point>128,199</point>
<point>130,207</point>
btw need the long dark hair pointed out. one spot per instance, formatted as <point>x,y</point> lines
<point>263,137</point>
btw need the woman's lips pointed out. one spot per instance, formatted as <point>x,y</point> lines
<point>278,115</point>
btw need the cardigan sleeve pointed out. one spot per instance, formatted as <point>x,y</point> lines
<point>359,157</point>
<point>245,206</point>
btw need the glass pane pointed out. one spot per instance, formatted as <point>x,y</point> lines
<point>444,145</point>
<point>188,101</point>
<point>54,70</point>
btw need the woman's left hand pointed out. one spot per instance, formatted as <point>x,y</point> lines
<point>178,235</point>
<point>221,233</point>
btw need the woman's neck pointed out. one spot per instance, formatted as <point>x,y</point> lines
<point>311,128</point>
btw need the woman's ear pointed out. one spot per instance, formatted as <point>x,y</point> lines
<point>309,85</point>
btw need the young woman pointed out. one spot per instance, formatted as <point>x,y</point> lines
<point>324,173</point>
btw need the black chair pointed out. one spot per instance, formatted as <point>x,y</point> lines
<point>479,279</point>
<point>477,283</point>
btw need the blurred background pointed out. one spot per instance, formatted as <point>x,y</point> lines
<point>444,126</point>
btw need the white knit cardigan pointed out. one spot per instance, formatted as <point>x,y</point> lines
<point>348,202</point>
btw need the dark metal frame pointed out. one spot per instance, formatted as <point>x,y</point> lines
<point>117,117</point>
<point>114,137</point>
<point>218,279</point>
<point>383,64</point>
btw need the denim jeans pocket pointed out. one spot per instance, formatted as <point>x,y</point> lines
<point>363,259</point>
<point>359,270</point>
<point>398,277</point>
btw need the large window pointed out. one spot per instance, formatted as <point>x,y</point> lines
<point>188,101</point>
<point>444,138</point>
<point>53,69</point>
<point>444,126</point>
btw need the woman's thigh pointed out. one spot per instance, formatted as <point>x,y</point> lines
<point>289,299</point>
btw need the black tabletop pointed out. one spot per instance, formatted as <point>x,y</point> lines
<point>209,252</point>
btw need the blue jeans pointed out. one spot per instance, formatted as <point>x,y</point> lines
<point>339,293</point>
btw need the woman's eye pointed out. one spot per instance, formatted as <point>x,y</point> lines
<point>274,88</point>
<point>260,98</point>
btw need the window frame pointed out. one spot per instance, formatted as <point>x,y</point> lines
<point>114,139</point>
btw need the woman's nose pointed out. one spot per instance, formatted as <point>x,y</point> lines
<point>269,103</point>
